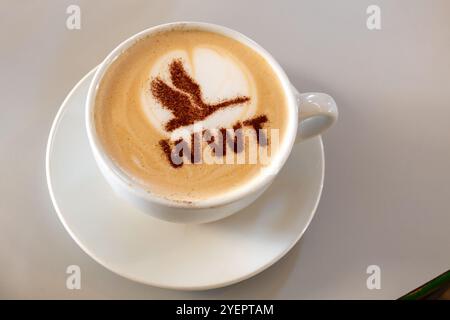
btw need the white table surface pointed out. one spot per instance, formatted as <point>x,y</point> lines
<point>387,185</point>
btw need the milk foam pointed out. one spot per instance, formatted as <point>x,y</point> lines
<point>225,69</point>
<point>220,76</point>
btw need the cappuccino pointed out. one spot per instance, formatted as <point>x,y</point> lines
<point>190,114</point>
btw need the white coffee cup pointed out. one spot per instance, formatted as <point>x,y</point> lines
<point>309,114</point>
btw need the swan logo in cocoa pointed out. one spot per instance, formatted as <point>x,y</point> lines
<point>183,98</point>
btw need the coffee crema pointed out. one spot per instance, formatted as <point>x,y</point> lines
<point>176,104</point>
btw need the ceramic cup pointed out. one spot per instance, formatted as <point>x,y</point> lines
<point>309,114</point>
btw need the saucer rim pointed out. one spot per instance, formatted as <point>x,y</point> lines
<point>56,121</point>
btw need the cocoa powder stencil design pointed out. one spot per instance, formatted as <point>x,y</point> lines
<point>187,106</point>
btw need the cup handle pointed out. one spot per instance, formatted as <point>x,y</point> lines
<point>316,113</point>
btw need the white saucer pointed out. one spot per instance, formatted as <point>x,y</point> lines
<point>188,257</point>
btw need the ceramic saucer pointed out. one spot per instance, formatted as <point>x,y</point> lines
<point>187,257</point>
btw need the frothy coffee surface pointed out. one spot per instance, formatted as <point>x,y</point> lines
<point>180,85</point>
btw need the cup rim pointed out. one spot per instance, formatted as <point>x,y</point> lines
<point>256,183</point>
